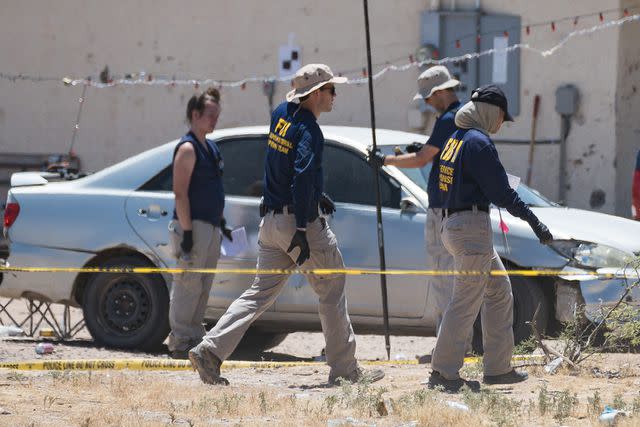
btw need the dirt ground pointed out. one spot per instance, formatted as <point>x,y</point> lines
<point>299,395</point>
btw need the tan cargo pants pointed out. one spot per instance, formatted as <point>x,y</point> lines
<point>274,238</point>
<point>439,258</point>
<point>190,291</point>
<point>467,236</point>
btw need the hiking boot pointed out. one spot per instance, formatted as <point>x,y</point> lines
<point>207,365</point>
<point>179,354</point>
<point>359,376</point>
<point>510,377</point>
<point>450,386</point>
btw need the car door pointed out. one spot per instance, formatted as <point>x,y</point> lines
<point>150,208</point>
<point>349,180</point>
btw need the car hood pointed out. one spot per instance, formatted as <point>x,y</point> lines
<point>578,224</point>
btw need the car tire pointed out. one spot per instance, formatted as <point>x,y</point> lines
<point>127,310</point>
<point>527,294</point>
<point>256,341</point>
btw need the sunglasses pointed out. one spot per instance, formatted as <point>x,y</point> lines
<point>331,89</point>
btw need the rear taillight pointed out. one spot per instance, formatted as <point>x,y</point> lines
<point>11,214</point>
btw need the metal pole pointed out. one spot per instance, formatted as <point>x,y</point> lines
<point>77,125</point>
<point>383,264</point>
<point>562,181</point>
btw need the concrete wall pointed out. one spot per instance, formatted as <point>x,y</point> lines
<point>585,62</point>
<point>627,109</point>
<point>231,40</point>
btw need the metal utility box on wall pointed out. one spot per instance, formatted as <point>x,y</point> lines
<point>456,33</point>
<point>567,98</point>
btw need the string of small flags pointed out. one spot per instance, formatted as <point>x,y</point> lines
<point>148,79</point>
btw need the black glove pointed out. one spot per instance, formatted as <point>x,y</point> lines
<point>375,158</point>
<point>326,204</point>
<point>542,232</point>
<point>299,240</point>
<point>414,147</point>
<point>226,231</point>
<point>187,241</point>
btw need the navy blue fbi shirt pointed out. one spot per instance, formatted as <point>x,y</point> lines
<point>442,130</point>
<point>206,193</point>
<point>470,173</point>
<point>293,165</point>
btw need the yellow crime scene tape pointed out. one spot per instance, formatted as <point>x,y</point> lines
<point>163,365</point>
<point>182,365</point>
<point>316,271</point>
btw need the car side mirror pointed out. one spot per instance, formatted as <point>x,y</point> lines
<point>409,205</point>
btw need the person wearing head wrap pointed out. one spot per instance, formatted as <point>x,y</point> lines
<point>436,88</point>
<point>470,179</point>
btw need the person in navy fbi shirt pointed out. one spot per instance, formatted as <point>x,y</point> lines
<point>197,221</point>
<point>436,87</point>
<point>292,233</point>
<point>470,178</point>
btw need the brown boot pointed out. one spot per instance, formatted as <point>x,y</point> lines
<point>359,375</point>
<point>207,365</point>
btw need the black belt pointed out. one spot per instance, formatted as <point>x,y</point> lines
<point>290,210</point>
<point>279,210</point>
<point>449,211</point>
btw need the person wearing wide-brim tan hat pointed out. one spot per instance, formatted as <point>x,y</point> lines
<point>433,80</point>
<point>312,77</point>
<point>292,233</point>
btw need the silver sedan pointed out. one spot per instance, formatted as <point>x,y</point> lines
<point>119,217</point>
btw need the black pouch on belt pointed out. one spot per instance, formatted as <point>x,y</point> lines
<point>263,209</point>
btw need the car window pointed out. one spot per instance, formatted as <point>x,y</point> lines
<point>243,168</point>
<point>243,165</point>
<point>349,179</point>
<point>161,182</point>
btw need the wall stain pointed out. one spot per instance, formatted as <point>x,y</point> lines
<point>590,151</point>
<point>597,199</point>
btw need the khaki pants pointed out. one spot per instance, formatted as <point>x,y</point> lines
<point>439,258</point>
<point>274,238</point>
<point>190,291</point>
<point>467,236</point>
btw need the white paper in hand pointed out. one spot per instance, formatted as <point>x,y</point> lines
<point>237,246</point>
<point>514,181</point>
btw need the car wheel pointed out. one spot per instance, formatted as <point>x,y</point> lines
<point>527,294</point>
<point>127,310</point>
<point>256,341</point>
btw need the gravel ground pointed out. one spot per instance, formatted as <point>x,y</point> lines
<point>301,345</point>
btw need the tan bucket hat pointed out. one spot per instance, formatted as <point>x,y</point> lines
<point>311,77</point>
<point>434,79</point>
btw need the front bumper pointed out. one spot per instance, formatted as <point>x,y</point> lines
<point>595,293</point>
<point>46,286</point>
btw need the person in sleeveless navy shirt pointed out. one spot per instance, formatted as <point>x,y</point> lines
<point>436,87</point>
<point>292,233</point>
<point>197,221</point>
<point>470,179</point>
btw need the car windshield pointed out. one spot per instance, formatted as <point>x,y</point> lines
<point>420,176</point>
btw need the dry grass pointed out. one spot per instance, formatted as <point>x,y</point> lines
<point>155,398</point>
